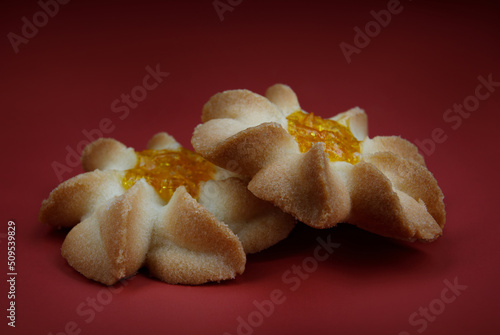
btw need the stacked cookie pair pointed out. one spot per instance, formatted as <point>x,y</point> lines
<point>261,163</point>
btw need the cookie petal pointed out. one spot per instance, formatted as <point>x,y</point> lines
<point>75,198</point>
<point>242,105</point>
<point>305,186</point>
<point>163,141</point>
<point>394,144</point>
<point>108,154</point>
<point>251,148</point>
<point>379,208</point>
<point>410,177</point>
<point>257,223</point>
<point>283,97</point>
<point>190,246</point>
<point>356,120</point>
<point>112,243</point>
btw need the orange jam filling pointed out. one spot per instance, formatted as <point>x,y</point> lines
<point>166,170</point>
<point>341,145</point>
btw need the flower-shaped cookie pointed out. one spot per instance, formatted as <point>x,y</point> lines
<point>322,171</point>
<point>166,209</point>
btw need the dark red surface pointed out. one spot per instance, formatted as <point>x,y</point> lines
<point>427,58</point>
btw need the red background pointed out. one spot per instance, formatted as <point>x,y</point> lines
<point>426,59</point>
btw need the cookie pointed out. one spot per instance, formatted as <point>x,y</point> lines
<point>322,171</point>
<point>166,209</point>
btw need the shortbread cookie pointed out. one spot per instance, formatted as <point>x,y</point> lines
<point>165,208</point>
<point>322,171</point>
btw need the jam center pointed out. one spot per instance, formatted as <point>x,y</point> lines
<point>341,145</point>
<point>166,170</point>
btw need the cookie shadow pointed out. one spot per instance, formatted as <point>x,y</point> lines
<point>354,252</point>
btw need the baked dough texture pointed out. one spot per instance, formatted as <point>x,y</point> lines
<point>389,192</point>
<point>117,231</point>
